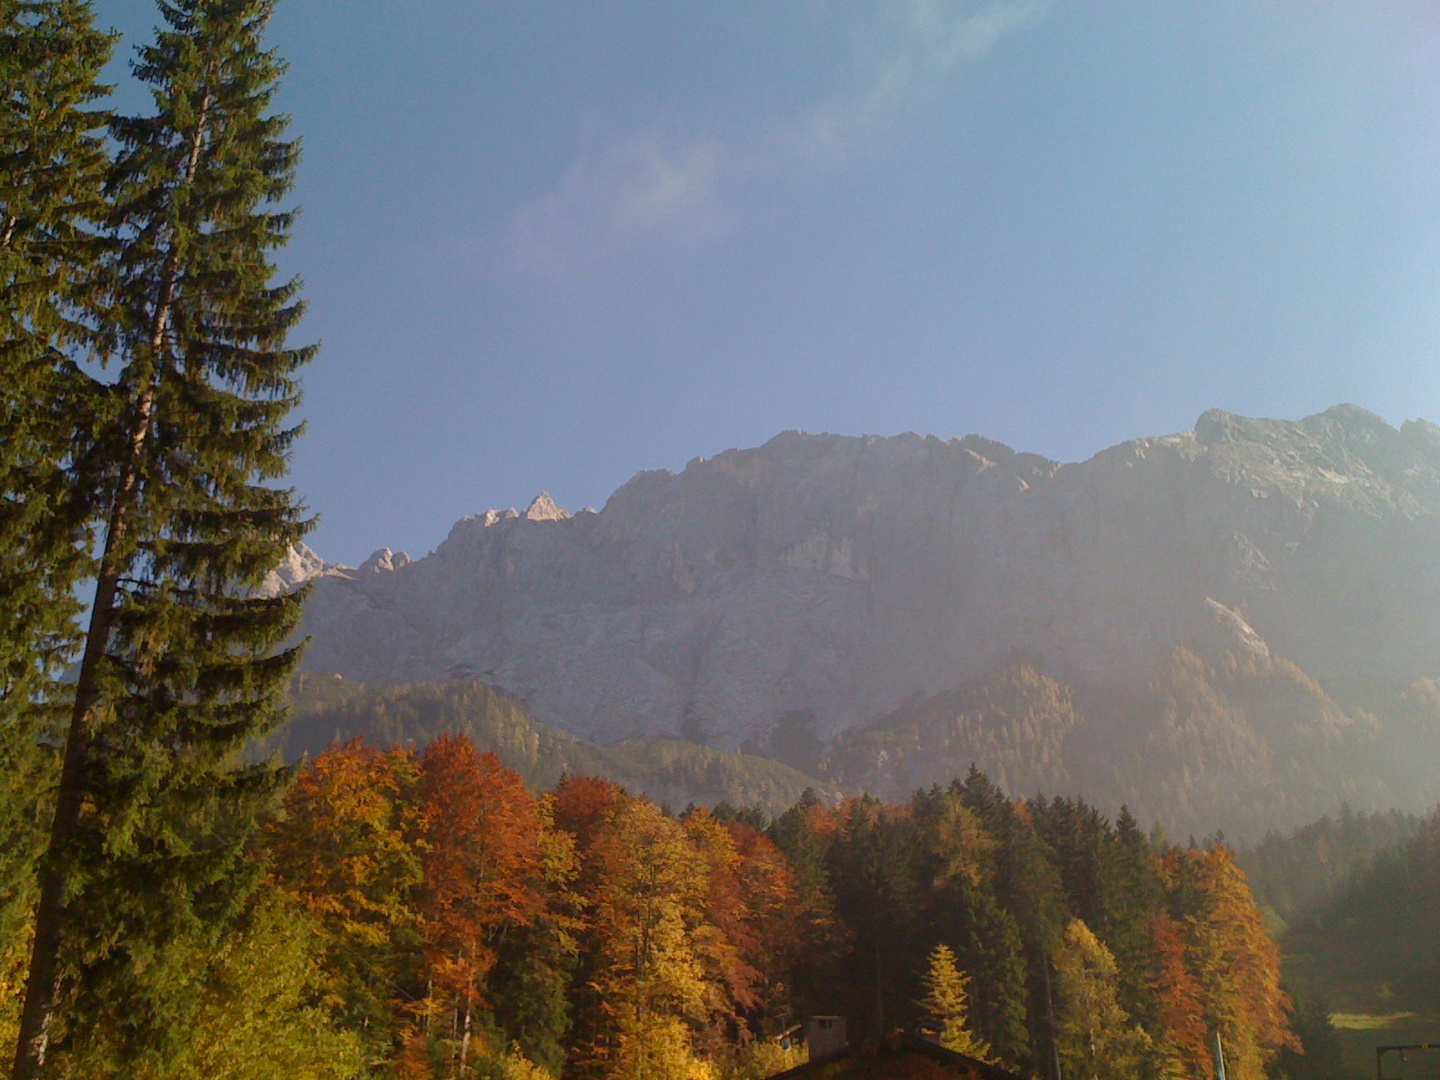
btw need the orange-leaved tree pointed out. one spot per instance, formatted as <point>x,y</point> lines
<point>1176,1005</point>
<point>1235,961</point>
<point>725,938</point>
<point>482,855</point>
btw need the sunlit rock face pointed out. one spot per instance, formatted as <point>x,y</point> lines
<point>299,566</point>
<point>849,575</point>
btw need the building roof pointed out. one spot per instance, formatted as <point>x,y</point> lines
<point>897,1057</point>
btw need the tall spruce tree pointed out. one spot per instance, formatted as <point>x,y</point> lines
<point>997,959</point>
<point>182,664</point>
<point>52,168</point>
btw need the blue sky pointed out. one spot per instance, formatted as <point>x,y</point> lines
<point>548,245</point>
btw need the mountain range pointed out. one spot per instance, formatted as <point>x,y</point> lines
<point>1230,627</point>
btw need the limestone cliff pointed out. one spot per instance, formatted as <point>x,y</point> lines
<point>850,576</point>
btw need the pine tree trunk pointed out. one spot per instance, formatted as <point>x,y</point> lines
<point>42,980</point>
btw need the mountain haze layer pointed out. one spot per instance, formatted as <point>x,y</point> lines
<point>855,578</point>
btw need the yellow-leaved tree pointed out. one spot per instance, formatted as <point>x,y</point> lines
<point>1236,962</point>
<point>651,980</point>
<point>1096,1039</point>
<point>947,1004</point>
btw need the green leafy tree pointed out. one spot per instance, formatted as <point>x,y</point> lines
<point>1027,886</point>
<point>874,866</point>
<point>794,741</point>
<point>963,908</point>
<point>804,835</point>
<point>182,663</point>
<point>1135,894</point>
<point>1320,1055</point>
<point>947,1004</point>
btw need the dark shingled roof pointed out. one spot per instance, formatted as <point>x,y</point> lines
<point>897,1057</point>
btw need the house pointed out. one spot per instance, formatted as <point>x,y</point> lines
<point>897,1057</point>
<point>825,1035</point>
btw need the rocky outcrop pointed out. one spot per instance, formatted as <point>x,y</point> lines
<point>299,566</point>
<point>384,561</point>
<point>850,575</point>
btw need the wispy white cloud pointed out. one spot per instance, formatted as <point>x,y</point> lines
<point>931,39</point>
<point>648,189</point>
<point>615,195</point>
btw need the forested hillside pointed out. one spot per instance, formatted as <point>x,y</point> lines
<point>1296,873</point>
<point>1238,743</point>
<point>423,913</point>
<point>1225,739</point>
<point>1383,922</point>
<point>675,771</point>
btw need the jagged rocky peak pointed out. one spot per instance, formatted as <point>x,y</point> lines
<point>299,566</point>
<point>383,561</point>
<point>1423,434</point>
<point>543,508</point>
<point>493,517</point>
<point>1337,426</point>
<point>1345,455</point>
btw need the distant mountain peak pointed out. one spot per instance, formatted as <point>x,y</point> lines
<point>543,508</point>
<point>299,566</point>
<point>383,561</point>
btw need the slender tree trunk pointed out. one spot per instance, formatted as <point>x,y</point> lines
<point>41,983</point>
<point>42,979</point>
<point>1050,1016</point>
<point>465,1035</point>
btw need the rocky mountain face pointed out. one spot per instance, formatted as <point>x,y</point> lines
<point>852,577</point>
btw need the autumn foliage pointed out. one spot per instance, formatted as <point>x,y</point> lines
<point>473,928</point>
